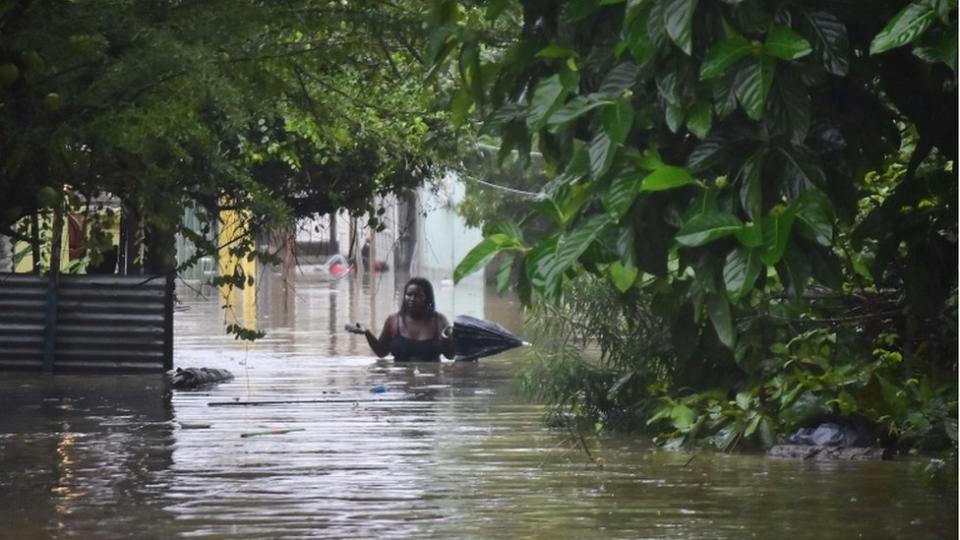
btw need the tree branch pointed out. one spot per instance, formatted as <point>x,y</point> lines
<point>386,52</point>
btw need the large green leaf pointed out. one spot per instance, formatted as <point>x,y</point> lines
<point>905,26</point>
<point>722,55</point>
<point>577,168</point>
<point>538,262</point>
<point>718,308</point>
<point>674,115</point>
<point>667,177</point>
<point>618,198</point>
<point>941,48</point>
<point>944,10</point>
<point>682,417</point>
<point>572,199</point>
<point>815,217</point>
<point>547,97</point>
<point>508,229</point>
<point>750,235</point>
<point>700,119</point>
<point>776,232</point>
<point>460,107</point>
<point>751,184</point>
<point>481,254</point>
<point>507,114</point>
<point>572,110</point>
<point>707,227</point>
<point>724,97</point>
<point>439,45</point>
<point>711,152</point>
<point>741,271</point>
<point>601,253</point>
<point>504,273</point>
<point>670,85</point>
<point>622,276</point>
<point>602,151</point>
<point>830,42</point>
<point>555,50</point>
<point>752,85</point>
<point>648,160</point>
<point>790,106</point>
<point>784,44</point>
<point>617,118</point>
<point>752,426</point>
<point>636,38</point>
<point>469,64</point>
<point>801,170</point>
<point>620,78</point>
<point>626,245</point>
<point>655,27</point>
<point>549,209</point>
<point>678,20</point>
<point>569,77</point>
<point>573,243</point>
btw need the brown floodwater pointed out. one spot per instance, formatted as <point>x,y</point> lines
<point>448,450</point>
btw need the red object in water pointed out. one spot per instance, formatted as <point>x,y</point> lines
<point>337,269</point>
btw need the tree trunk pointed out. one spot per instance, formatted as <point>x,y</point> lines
<point>161,250</point>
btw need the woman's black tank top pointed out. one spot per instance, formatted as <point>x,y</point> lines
<point>405,349</point>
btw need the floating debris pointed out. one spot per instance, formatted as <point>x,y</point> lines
<point>270,432</point>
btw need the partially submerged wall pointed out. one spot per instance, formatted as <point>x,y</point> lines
<point>87,323</point>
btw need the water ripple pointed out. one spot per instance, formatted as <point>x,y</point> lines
<point>447,451</point>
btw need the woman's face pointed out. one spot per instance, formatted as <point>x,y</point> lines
<point>415,299</point>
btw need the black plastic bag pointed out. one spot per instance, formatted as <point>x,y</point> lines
<point>476,338</point>
<point>197,377</point>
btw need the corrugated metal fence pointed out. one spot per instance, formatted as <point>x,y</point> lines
<point>98,323</point>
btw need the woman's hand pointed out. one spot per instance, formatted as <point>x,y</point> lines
<point>447,344</point>
<point>356,328</point>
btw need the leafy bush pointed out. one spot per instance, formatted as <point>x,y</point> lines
<point>772,183</point>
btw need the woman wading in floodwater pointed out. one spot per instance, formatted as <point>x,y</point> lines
<point>416,333</point>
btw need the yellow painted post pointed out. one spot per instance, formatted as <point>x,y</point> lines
<point>232,229</point>
<point>25,264</point>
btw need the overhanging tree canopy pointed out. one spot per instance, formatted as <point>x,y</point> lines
<point>741,163</point>
<point>726,137</point>
<point>285,107</point>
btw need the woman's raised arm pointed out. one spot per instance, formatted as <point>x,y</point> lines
<point>379,345</point>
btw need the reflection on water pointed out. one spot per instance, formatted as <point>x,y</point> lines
<point>447,451</point>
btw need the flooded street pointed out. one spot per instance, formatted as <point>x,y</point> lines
<point>448,450</point>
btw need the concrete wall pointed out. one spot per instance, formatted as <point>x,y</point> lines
<point>423,233</point>
<point>442,237</point>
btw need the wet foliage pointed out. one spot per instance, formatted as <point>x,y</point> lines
<point>774,184</point>
<point>274,110</point>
